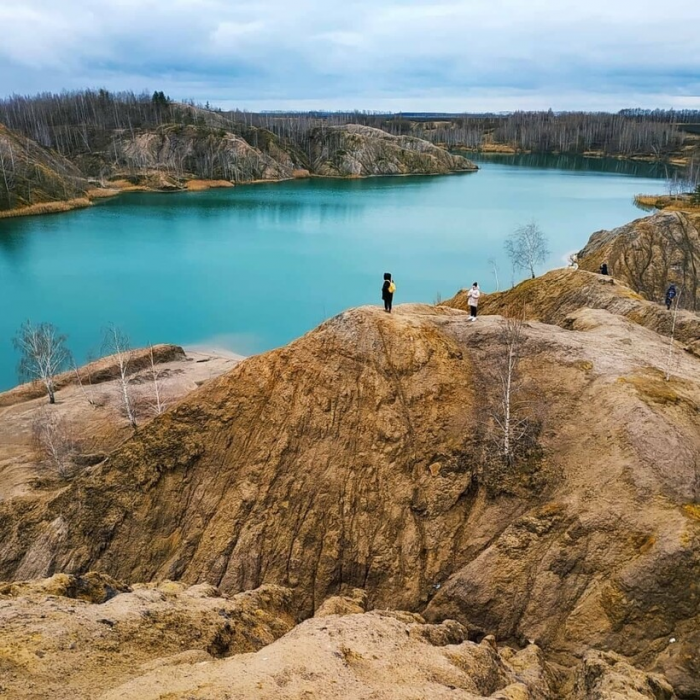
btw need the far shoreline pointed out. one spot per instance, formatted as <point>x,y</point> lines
<point>191,187</point>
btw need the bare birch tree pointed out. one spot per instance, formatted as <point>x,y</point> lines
<point>43,354</point>
<point>8,178</point>
<point>116,343</point>
<point>494,267</point>
<point>87,393</point>
<point>527,247</point>
<point>158,406</point>
<point>507,415</point>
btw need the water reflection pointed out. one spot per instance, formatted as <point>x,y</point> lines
<point>247,203</point>
<point>11,244</point>
<point>576,163</point>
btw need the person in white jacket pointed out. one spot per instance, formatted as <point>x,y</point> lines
<point>473,299</point>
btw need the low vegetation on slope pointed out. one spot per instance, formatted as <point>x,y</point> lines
<point>34,176</point>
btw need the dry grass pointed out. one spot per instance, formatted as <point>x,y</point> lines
<point>648,202</point>
<point>692,510</point>
<point>47,208</point>
<point>652,387</point>
<point>497,148</point>
<point>126,186</point>
<point>102,192</point>
<point>201,185</point>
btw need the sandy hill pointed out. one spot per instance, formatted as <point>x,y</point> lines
<point>88,415</point>
<point>358,151</point>
<point>650,253</point>
<point>554,296</point>
<point>365,455</point>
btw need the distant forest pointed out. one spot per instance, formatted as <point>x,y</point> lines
<point>80,122</point>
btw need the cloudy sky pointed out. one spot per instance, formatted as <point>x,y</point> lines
<point>452,55</point>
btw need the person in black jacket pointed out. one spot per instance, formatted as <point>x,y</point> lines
<point>604,269</point>
<point>388,292</point>
<point>670,296</point>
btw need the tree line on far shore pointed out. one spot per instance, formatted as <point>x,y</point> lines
<point>75,122</point>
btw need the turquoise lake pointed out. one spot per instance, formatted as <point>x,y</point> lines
<point>251,268</point>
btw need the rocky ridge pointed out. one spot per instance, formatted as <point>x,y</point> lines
<point>554,296</point>
<point>91,636</point>
<point>69,637</point>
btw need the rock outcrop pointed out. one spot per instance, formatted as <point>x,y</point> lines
<point>91,637</point>
<point>360,151</point>
<point>77,637</point>
<point>31,175</point>
<point>376,655</point>
<point>362,455</point>
<point>650,253</point>
<point>103,370</point>
<point>165,158</point>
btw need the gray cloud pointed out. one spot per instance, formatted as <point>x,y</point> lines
<point>395,54</point>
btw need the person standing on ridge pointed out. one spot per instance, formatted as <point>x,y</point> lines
<point>388,289</point>
<point>473,299</point>
<point>604,269</point>
<point>670,296</point>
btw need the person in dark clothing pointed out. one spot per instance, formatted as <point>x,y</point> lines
<point>604,269</point>
<point>388,289</point>
<point>670,296</point>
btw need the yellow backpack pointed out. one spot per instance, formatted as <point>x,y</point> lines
<point>392,287</point>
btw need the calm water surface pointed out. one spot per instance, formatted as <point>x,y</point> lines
<point>251,268</point>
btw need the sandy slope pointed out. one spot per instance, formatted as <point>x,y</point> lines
<point>100,428</point>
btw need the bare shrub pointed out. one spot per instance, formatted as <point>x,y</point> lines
<point>54,442</point>
<point>83,377</point>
